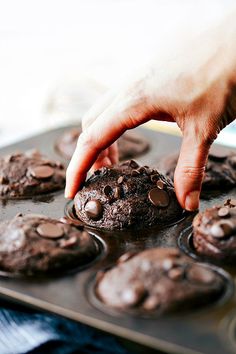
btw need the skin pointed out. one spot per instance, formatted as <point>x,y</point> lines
<point>196,89</point>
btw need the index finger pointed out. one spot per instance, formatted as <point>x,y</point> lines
<point>104,131</point>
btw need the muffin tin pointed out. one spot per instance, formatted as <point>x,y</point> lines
<point>208,330</point>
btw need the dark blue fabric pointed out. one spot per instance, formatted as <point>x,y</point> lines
<point>26,332</point>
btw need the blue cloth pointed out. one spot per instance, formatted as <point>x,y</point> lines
<point>29,332</point>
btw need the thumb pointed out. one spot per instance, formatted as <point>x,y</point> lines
<point>190,170</point>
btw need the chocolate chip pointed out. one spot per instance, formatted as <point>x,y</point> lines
<point>133,164</point>
<point>49,230</point>
<point>223,212</point>
<point>134,295</point>
<point>232,202</point>
<point>126,256</point>
<point>160,184</point>
<point>141,169</point>
<point>135,173</point>
<point>217,231</point>
<point>159,198</point>
<point>146,265</point>
<point>3,179</point>
<point>200,275</point>
<point>222,229</point>
<point>9,158</point>
<point>176,273</point>
<point>154,178</point>
<point>69,242</point>
<point>117,193</point>
<point>94,209</point>
<point>167,264</point>
<point>151,303</point>
<point>108,191</point>
<point>41,172</point>
<point>148,171</point>
<point>120,180</point>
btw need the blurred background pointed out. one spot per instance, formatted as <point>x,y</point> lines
<point>57,57</point>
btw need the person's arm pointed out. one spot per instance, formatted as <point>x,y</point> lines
<point>197,89</point>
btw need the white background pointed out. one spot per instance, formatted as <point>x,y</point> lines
<point>57,53</point>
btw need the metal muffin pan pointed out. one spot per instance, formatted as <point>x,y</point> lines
<point>209,330</point>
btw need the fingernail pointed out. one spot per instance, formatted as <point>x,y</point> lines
<point>192,201</point>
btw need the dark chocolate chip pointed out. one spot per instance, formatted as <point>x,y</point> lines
<point>176,273</point>
<point>108,191</point>
<point>151,303</point>
<point>49,230</point>
<point>69,242</point>
<point>3,179</point>
<point>160,184</point>
<point>9,158</point>
<point>159,198</point>
<point>126,256</point>
<point>199,274</point>
<point>148,171</point>
<point>117,193</point>
<point>94,209</point>
<point>133,164</point>
<point>217,231</point>
<point>223,212</point>
<point>120,180</point>
<point>134,295</point>
<point>41,172</point>
<point>135,173</point>
<point>167,264</point>
<point>232,202</point>
<point>154,178</point>
<point>222,229</point>
<point>141,169</point>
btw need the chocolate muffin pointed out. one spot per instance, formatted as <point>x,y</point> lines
<point>158,280</point>
<point>214,232</point>
<point>220,173</point>
<point>127,195</point>
<point>23,175</point>
<point>130,144</point>
<point>36,244</point>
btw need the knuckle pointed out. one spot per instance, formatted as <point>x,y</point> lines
<point>88,142</point>
<point>85,139</point>
<point>193,172</point>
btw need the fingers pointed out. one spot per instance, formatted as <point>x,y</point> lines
<point>110,155</point>
<point>97,109</point>
<point>190,171</point>
<point>102,133</point>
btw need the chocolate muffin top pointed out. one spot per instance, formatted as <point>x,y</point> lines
<point>158,280</point>
<point>35,244</point>
<point>127,195</point>
<point>130,144</point>
<point>28,174</point>
<point>220,173</point>
<point>214,232</point>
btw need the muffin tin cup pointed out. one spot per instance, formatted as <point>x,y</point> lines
<point>222,299</point>
<point>185,243</point>
<point>101,253</point>
<point>71,215</point>
<point>72,293</point>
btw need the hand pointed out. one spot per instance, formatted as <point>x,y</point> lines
<point>196,89</point>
